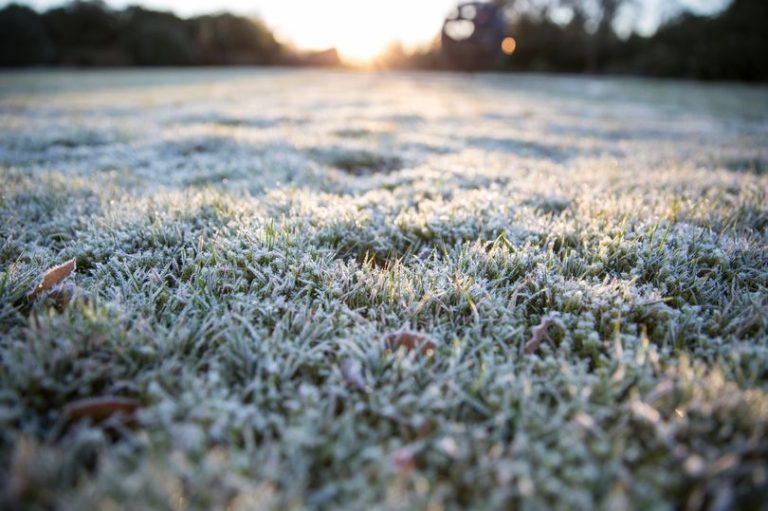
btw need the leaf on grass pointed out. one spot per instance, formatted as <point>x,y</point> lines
<point>52,277</point>
<point>410,341</point>
<point>539,334</point>
<point>352,372</point>
<point>404,460</point>
<point>99,409</point>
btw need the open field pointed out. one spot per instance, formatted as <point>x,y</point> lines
<point>589,258</point>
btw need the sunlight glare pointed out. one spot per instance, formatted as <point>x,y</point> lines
<point>360,31</point>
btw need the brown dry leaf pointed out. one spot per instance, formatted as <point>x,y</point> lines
<point>538,335</point>
<point>52,277</point>
<point>404,461</point>
<point>410,341</point>
<point>99,409</point>
<point>352,372</point>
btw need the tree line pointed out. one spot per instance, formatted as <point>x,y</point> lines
<point>578,36</point>
<point>552,35</point>
<point>731,45</point>
<point>89,33</point>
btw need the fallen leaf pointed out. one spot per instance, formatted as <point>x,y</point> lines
<point>52,277</point>
<point>410,341</point>
<point>99,409</point>
<point>538,335</point>
<point>352,372</point>
<point>404,461</point>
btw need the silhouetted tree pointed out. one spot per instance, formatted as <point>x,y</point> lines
<point>90,33</point>
<point>24,39</point>
<point>85,33</point>
<point>154,38</point>
<point>229,39</point>
<point>733,45</point>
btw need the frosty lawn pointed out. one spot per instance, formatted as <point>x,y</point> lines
<point>590,258</point>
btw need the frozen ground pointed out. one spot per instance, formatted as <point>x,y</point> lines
<point>246,239</point>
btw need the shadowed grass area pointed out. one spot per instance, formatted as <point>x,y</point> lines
<point>360,162</point>
<point>238,281</point>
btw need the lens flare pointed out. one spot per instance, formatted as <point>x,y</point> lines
<point>508,45</point>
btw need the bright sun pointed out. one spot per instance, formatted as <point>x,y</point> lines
<point>357,45</point>
<point>359,30</point>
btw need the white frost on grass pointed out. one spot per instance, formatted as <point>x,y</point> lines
<point>239,235</point>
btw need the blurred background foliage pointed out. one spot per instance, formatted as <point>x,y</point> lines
<point>89,33</point>
<point>552,36</point>
<point>730,45</point>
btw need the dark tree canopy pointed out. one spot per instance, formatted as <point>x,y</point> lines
<point>84,33</point>
<point>24,38</point>
<point>731,45</point>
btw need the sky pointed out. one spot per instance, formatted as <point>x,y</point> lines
<point>360,29</point>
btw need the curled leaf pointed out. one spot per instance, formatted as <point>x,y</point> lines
<point>538,335</point>
<point>52,277</point>
<point>410,341</point>
<point>99,409</point>
<point>352,372</point>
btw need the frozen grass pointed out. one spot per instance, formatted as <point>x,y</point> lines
<point>246,240</point>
